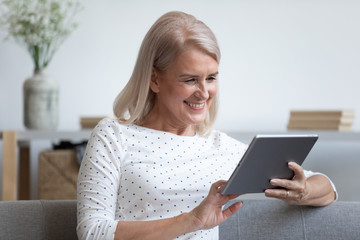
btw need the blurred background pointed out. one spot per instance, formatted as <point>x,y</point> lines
<point>276,56</point>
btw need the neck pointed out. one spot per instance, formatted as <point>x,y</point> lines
<point>155,122</point>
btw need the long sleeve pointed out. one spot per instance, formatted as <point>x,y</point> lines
<point>98,184</point>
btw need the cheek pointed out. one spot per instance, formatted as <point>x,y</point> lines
<point>174,92</point>
<point>212,90</point>
<point>183,93</point>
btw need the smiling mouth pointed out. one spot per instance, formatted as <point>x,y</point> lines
<point>197,106</point>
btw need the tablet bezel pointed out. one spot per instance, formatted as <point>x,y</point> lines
<point>266,158</point>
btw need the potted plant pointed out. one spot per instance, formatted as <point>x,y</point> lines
<point>41,26</point>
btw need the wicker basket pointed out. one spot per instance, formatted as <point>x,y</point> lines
<point>58,171</point>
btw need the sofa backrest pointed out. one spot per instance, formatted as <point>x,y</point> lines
<point>257,219</point>
<point>273,219</point>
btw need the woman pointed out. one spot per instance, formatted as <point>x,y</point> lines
<point>155,172</point>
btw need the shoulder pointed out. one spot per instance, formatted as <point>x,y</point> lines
<point>108,124</point>
<point>121,133</point>
<point>109,129</point>
<point>112,126</point>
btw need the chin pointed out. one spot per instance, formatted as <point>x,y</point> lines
<point>196,122</point>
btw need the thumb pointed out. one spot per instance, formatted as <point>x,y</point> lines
<point>232,210</point>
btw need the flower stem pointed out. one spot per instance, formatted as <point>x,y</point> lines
<point>37,57</point>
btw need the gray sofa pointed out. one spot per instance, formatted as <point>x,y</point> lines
<point>258,219</point>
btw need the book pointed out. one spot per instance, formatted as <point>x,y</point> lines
<point>343,119</point>
<point>340,120</point>
<point>89,122</point>
<point>321,121</point>
<point>322,113</point>
<point>344,128</point>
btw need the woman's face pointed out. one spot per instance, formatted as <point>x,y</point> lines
<point>185,91</point>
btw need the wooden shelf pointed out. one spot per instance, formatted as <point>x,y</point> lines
<point>16,170</point>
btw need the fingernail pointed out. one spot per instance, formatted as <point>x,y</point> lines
<point>273,181</point>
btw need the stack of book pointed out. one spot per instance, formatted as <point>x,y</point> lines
<point>340,120</point>
<point>89,122</point>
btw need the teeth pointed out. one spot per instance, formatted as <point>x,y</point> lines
<point>196,105</point>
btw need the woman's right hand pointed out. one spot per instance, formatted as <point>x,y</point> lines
<point>210,212</point>
<point>207,215</point>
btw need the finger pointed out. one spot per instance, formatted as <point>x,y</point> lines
<point>273,193</point>
<point>215,195</point>
<point>287,194</point>
<point>217,186</point>
<point>232,209</point>
<point>284,183</point>
<point>278,193</point>
<point>297,169</point>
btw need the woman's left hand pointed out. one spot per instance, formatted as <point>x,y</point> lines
<point>295,190</point>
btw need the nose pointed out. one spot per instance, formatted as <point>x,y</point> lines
<point>203,90</point>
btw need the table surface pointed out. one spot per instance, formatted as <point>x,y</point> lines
<point>27,135</point>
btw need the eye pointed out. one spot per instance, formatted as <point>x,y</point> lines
<point>211,78</point>
<point>190,81</point>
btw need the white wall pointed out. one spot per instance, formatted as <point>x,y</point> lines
<point>277,55</point>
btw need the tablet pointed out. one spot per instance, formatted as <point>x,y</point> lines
<point>266,158</point>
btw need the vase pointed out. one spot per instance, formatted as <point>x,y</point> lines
<point>41,101</point>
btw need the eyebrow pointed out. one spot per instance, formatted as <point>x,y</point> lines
<point>194,75</point>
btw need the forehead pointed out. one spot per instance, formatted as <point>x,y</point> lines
<point>194,60</point>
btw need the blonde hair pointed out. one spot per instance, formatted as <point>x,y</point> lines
<point>169,36</point>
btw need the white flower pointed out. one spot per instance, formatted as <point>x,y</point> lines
<point>42,25</point>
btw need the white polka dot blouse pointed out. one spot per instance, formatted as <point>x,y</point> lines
<point>133,173</point>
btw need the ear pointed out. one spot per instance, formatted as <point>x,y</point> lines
<point>154,82</point>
